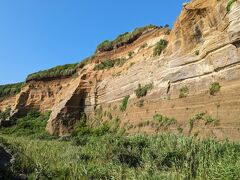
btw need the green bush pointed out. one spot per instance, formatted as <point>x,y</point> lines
<point>161,45</point>
<point>124,104</point>
<point>10,89</point>
<point>56,72</point>
<point>229,4</point>
<point>105,46</point>
<point>123,39</point>
<point>183,92</point>
<point>142,91</point>
<point>107,64</point>
<point>214,88</point>
<point>33,124</point>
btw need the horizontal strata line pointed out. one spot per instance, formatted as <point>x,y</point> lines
<point>216,70</point>
<point>203,58</point>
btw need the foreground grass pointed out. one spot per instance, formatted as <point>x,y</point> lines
<point>104,151</point>
<point>126,157</point>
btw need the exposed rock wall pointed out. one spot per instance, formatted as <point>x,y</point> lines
<point>7,102</point>
<point>204,47</point>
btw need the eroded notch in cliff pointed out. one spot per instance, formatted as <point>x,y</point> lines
<point>198,34</point>
<point>237,44</point>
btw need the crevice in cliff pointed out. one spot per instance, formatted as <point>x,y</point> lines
<point>236,44</point>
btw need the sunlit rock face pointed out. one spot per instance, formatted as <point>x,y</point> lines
<point>203,47</point>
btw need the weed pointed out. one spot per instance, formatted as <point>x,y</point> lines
<point>214,88</point>
<point>124,104</point>
<point>229,4</point>
<point>142,91</point>
<point>201,116</point>
<point>183,92</point>
<point>109,63</point>
<point>161,45</point>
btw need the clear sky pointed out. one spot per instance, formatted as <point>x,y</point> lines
<point>39,34</point>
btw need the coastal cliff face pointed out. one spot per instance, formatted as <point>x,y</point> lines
<point>203,49</point>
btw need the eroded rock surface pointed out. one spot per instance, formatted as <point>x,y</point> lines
<point>204,47</point>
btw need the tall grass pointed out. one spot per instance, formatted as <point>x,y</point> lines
<point>105,151</point>
<point>33,125</point>
<point>127,157</point>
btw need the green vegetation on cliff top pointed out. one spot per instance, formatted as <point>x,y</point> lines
<point>10,89</point>
<point>55,72</point>
<point>123,39</point>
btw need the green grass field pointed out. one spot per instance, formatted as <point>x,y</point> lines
<point>106,152</point>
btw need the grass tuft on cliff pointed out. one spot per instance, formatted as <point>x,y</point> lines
<point>109,63</point>
<point>10,89</point>
<point>214,88</point>
<point>161,45</point>
<point>124,104</point>
<point>229,4</point>
<point>142,91</point>
<point>53,73</point>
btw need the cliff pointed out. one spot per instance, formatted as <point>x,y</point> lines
<point>195,77</point>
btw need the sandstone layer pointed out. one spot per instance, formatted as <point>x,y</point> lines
<point>204,47</point>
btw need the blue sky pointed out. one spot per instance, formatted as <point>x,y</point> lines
<point>39,34</point>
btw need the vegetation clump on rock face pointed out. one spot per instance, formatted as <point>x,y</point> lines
<point>56,72</point>
<point>229,4</point>
<point>201,117</point>
<point>124,104</point>
<point>142,91</point>
<point>161,45</point>
<point>214,88</point>
<point>109,63</point>
<point>10,89</point>
<point>123,39</point>
<point>183,92</point>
